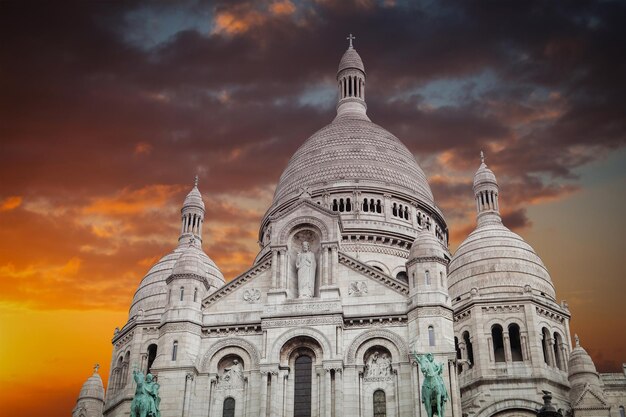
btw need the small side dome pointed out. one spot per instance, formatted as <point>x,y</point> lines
<point>192,261</point>
<point>351,59</point>
<point>426,245</point>
<point>194,198</point>
<point>497,261</point>
<point>581,364</point>
<point>92,388</point>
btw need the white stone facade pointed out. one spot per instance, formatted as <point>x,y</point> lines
<point>385,285</point>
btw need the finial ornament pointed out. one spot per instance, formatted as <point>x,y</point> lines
<point>577,340</point>
<point>95,368</point>
<point>351,38</point>
<point>195,181</point>
<point>482,157</point>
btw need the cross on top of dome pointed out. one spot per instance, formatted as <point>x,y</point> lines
<point>351,38</point>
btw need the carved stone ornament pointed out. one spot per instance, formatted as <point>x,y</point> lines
<point>252,295</point>
<point>232,378</point>
<point>357,288</point>
<point>378,366</point>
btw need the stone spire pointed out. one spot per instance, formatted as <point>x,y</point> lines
<point>351,84</point>
<point>486,194</point>
<point>192,216</point>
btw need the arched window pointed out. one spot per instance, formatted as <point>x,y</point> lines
<point>414,280</point>
<point>380,403</point>
<point>182,293</point>
<point>302,386</point>
<point>229,407</point>
<point>117,381</point>
<point>441,279</point>
<point>335,206</point>
<point>544,345</point>
<point>558,343</point>
<point>341,206</point>
<point>365,205</point>
<point>406,213</point>
<point>195,295</point>
<point>431,336</point>
<point>516,343</point>
<point>379,207</point>
<point>498,343</point>
<point>394,210</point>
<point>348,205</point>
<point>174,350</point>
<point>621,411</point>
<point>427,277</point>
<point>169,295</point>
<point>469,348</point>
<point>152,352</point>
<point>402,276</point>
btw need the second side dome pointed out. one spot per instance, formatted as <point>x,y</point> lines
<point>495,260</point>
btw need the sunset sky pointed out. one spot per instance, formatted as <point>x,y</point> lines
<point>109,109</point>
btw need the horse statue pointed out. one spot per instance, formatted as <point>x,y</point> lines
<point>146,400</point>
<point>434,393</point>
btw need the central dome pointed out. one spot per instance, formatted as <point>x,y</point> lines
<point>352,150</point>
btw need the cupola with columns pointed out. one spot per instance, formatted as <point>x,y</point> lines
<point>192,215</point>
<point>351,83</point>
<point>486,193</point>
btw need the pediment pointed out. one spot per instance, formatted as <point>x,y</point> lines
<point>372,274</point>
<point>236,286</point>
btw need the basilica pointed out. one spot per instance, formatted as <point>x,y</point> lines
<point>352,285</point>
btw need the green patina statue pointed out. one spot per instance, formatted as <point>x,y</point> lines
<point>146,401</point>
<point>434,393</point>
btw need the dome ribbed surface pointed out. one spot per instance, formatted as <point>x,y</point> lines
<point>194,198</point>
<point>581,363</point>
<point>351,59</point>
<point>495,261</point>
<point>426,245</point>
<point>353,150</point>
<point>92,388</point>
<point>151,296</point>
<point>484,175</point>
<point>192,261</point>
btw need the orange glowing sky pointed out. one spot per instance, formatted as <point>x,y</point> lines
<point>108,110</point>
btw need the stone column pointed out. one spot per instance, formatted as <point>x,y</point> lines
<point>490,344</point>
<point>324,262</point>
<point>415,389</point>
<point>212,381</point>
<point>334,263</point>
<point>550,348</point>
<point>454,388</point>
<point>463,349</point>
<point>524,343</point>
<point>274,268</point>
<point>263,388</point>
<point>508,357</point>
<point>338,392</point>
<point>276,393</point>
<point>327,393</point>
<point>287,271</point>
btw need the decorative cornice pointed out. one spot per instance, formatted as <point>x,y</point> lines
<point>437,259</point>
<point>195,277</point>
<point>375,248</point>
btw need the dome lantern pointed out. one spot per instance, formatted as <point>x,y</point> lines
<point>486,193</point>
<point>351,84</point>
<point>192,215</point>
